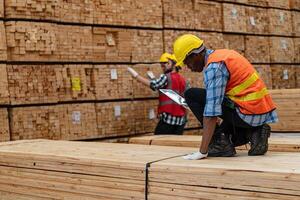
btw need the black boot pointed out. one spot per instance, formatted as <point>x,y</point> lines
<point>259,140</point>
<point>220,145</point>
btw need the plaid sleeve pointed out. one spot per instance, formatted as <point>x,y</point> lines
<point>159,83</point>
<point>215,79</point>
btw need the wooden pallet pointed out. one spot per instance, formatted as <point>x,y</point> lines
<point>79,170</point>
<point>276,144</point>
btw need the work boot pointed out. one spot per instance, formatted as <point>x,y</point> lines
<point>259,140</point>
<point>220,145</point>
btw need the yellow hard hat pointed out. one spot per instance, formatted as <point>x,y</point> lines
<point>165,57</point>
<point>184,45</point>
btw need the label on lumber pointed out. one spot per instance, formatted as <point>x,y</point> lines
<point>234,13</point>
<point>117,111</point>
<point>281,17</point>
<point>151,114</point>
<point>113,74</point>
<point>76,117</point>
<point>285,74</point>
<point>252,21</point>
<point>283,44</point>
<point>110,40</point>
<point>76,84</point>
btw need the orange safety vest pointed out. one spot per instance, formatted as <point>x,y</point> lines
<point>178,84</point>
<point>244,87</point>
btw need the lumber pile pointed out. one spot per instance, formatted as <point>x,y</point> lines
<point>4,94</point>
<point>236,42</point>
<point>281,50</point>
<point>28,41</point>
<point>234,18</point>
<point>67,122</point>
<point>191,15</point>
<point>4,126</point>
<point>257,49</point>
<point>3,46</point>
<point>283,76</point>
<point>111,12</point>
<point>257,20</point>
<point>296,22</point>
<point>276,144</point>
<point>77,170</point>
<point>280,21</point>
<point>287,102</point>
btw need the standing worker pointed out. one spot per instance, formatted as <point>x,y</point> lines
<point>234,92</point>
<point>172,117</point>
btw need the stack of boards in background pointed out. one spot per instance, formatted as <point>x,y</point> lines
<point>63,63</point>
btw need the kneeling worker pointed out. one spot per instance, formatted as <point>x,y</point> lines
<point>172,117</point>
<point>234,92</point>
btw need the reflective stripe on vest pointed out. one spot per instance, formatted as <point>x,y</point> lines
<point>239,88</point>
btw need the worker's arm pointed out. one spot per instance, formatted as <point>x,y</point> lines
<point>209,125</point>
<point>138,77</point>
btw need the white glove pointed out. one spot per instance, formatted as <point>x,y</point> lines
<point>195,156</point>
<point>132,72</point>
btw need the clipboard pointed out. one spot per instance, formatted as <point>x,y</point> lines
<point>175,97</point>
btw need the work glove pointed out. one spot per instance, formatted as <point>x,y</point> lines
<point>132,72</point>
<point>195,156</point>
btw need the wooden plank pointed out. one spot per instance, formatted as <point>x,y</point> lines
<point>4,94</point>
<point>276,144</point>
<point>1,8</point>
<point>4,125</point>
<point>3,46</point>
<point>70,170</point>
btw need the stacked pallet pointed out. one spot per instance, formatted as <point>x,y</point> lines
<point>4,126</point>
<point>77,170</point>
<point>276,144</point>
<point>27,41</point>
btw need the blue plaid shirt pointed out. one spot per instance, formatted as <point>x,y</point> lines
<point>215,80</point>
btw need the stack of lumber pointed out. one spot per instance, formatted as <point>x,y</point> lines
<point>281,50</point>
<point>3,46</point>
<point>110,12</point>
<point>78,170</point>
<point>276,144</point>
<point>191,15</point>
<point>234,18</point>
<point>236,42</point>
<point>69,122</point>
<point>4,94</point>
<point>257,20</point>
<point>280,21</point>
<point>4,126</point>
<point>288,109</point>
<point>27,41</point>
<point>283,76</point>
<point>1,8</point>
<point>257,49</point>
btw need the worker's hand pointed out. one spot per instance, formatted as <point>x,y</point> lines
<point>195,156</point>
<point>132,72</point>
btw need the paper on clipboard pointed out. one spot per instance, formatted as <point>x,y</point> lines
<point>175,97</point>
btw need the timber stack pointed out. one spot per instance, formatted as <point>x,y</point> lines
<point>63,63</point>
